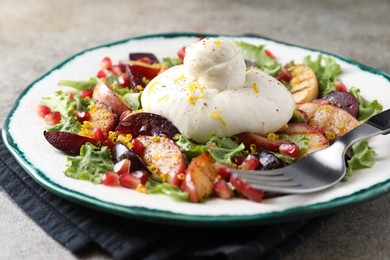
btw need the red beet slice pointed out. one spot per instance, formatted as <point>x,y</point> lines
<point>66,142</point>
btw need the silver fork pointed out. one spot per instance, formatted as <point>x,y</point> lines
<point>318,170</point>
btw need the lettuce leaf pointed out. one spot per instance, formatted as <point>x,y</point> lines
<point>367,109</point>
<point>92,163</point>
<point>79,85</point>
<point>67,124</point>
<point>362,157</point>
<point>154,187</point>
<point>221,149</point>
<point>170,61</point>
<point>327,71</point>
<point>257,55</point>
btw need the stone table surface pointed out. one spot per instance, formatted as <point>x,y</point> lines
<point>37,35</point>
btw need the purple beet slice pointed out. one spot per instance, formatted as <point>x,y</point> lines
<point>66,142</point>
<point>147,124</point>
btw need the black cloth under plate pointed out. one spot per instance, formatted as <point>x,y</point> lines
<point>81,229</point>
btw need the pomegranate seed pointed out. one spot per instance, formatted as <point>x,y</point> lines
<point>246,190</point>
<point>141,175</point>
<point>42,110</point>
<point>138,147</point>
<point>71,95</point>
<point>124,81</point>
<point>129,181</point>
<point>101,74</point>
<point>223,170</point>
<point>284,75</point>
<point>99,135</point>
<point>83,116</point>
<point>53,118</point>
<point>116,69</point>
<point>106,64</point>
<point>110,179</point>
<point>182,53</point>
<point>290,149</point>
<point>250,162</point>
<point>222,190</point>
<point>270,54</point>
<point>86,93</point>
<point>341,87</point>
<point>122,167</point>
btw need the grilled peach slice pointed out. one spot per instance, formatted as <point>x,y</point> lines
<point>163,158</point>
<point>317,140</point>
<point>104,94</point>
<point>199,178</point>
<point>304,84</point>
<point>102,120</point>
<point>334,122</point>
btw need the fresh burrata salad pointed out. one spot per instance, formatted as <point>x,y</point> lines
<point>177,126</point>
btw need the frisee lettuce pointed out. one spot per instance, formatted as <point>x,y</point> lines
<point>79,85</point>
<point>154,187</point>
<point>221,149</point>
<point>327,71</point>
<point>92,163</point>
<point>363,156</point>
<point>367,109</point>
<point>257,55</point>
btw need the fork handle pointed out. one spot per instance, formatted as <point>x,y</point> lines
<point>376,125</point>
<point>381,121</point>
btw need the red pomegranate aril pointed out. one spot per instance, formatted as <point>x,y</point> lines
<point>53,118</point>
<point>83,116</point>
<point>71,95</point>
<point>250,163</point>
<point>270,54</point>
<point>122,167</point>
<point>42,110</point>
<point>110,179</point>
<point>116,69</point>
<point>138,147</point>
<point>86,93</point>
<point>124,81</point>
<point>223,170</point>
<point>290,149</point>
<point>182,53</point>
<point>246,190</point>
<point>141,175</point>
<point>106,64</point>
<point>101,74</point>
<point>99,135</point>
<point>340,86</point>
<point>222,190</point>
<point>129,181</point>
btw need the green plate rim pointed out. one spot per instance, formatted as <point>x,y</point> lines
<point>172,218</point>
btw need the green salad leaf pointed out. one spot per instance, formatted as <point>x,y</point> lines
<point>221,149</point>
<point>154,187</point>
<point>367,109</point>
<point>79,85</point>
<point>257,55</point>
<point>170,61</point>
<point>61,102</point>
<point>92,163</point>
<point>362,157</point>
<point>327,71</point>
<point>67,124</point>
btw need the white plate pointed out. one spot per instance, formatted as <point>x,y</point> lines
<point>23,135</point>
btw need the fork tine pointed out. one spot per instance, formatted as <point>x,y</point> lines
<point>255,177</point>
<point>274,172</point>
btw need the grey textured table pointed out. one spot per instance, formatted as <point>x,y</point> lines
<point>36,35</point>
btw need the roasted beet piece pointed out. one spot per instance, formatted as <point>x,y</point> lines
<point>142,55</point>
<point>68,143</point>
<point>344,100</point>
<point>120,152</point>
<point>147,124</point>
<point>268,161</point>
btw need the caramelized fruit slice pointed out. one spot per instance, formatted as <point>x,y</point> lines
<point>66,142</point>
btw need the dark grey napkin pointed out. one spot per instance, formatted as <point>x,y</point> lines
<point>81,229</point>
